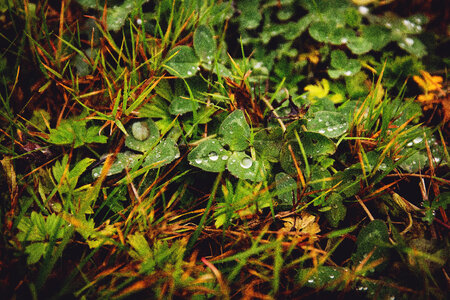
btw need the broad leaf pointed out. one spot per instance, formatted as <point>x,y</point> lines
<point>244,167</point>
<point>204,44</point>
<point>330,124</point>
<point>209,156</point>
<point>183,62</point>
<point>235,131</point>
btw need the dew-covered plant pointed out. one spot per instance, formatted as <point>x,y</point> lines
<point>222,149</point>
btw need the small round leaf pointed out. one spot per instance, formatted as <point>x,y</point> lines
<point>235,131</point>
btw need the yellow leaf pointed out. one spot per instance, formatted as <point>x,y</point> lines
<point>320,90</point>
<point>428,83</point>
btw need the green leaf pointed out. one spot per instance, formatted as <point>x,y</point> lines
<point>143,135</point>
<point>204,44</point>
<point>377,35</point>
<point>250,15</point>
<point>316,144</point>
<point>75,132</point>
<point>374,237</point>
<point>235,132</point>
<point>123,160</point>
<point>184,62</point>
<point>209,156</point>
<point>359,45</point>
<point>182,105</point>
<point>329,278</point>
<point>286,187</point>
<point>35,251</point>
<point>117,15</point>
<point>320,31</point>
<point>164,153</point>
<point>286,160</point>
<point>140,245</point>
<point>338,210</point>
<point>412,45</point>
<point>330,124</point>
<point>244,167</point>
<point>342,65</point>
<point>268,143</point>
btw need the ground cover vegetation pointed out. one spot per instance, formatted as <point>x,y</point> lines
<point>255,149</point>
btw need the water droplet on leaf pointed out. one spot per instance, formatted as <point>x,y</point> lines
<point>246,162</point>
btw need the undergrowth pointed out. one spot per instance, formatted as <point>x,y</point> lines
<point>200,149</point>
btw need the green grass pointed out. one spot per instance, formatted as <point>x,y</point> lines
<point>203,149</point>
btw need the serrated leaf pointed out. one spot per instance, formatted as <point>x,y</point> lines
<point>330,124</point>
<point>143,134</point>
<point>204,44</point>
<point>35,251</point>
<point>209,156</point>
<point>164,153</point>
<point>184,62</point>
<point>235,132</point>
<point>244,167</point>
<point>140,245</point>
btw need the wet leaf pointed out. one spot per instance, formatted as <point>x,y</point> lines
<point>124,160</point>
<point>235,132</point>
<point>330,124</point>
<point>329,278</point>
<point>182,105</point>
<point>164,153</point>
<point>143,134</point>
<point>204,44</point>
<point>287,187</point>
<point>374,237</point>
<point>244,167</point>
<point>209,156</point>
<point>337,211</point>
<point>184,62</point>
<point>316,144</point>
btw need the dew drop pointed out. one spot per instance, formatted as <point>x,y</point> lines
<point>311,280</point>
<point>409,144</point>
<point>139,21</point>
<point>321,131</point>
<point>332,276</point>
<point>140,131</point>
<point>344,40</point>
<point>198,160</point>
<point>417,140</point>
<point>213,156</point>
<point>189,73</point>
<point>348,73</point>
<point>246,162</point>
<point>363,10</point>
<point>409,41</point>
<point>225,157</point>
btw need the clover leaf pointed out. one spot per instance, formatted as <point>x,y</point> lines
<point>209,156</point>
<point>244,167</point>
<point>235,132</point>
<point>183,62</point>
